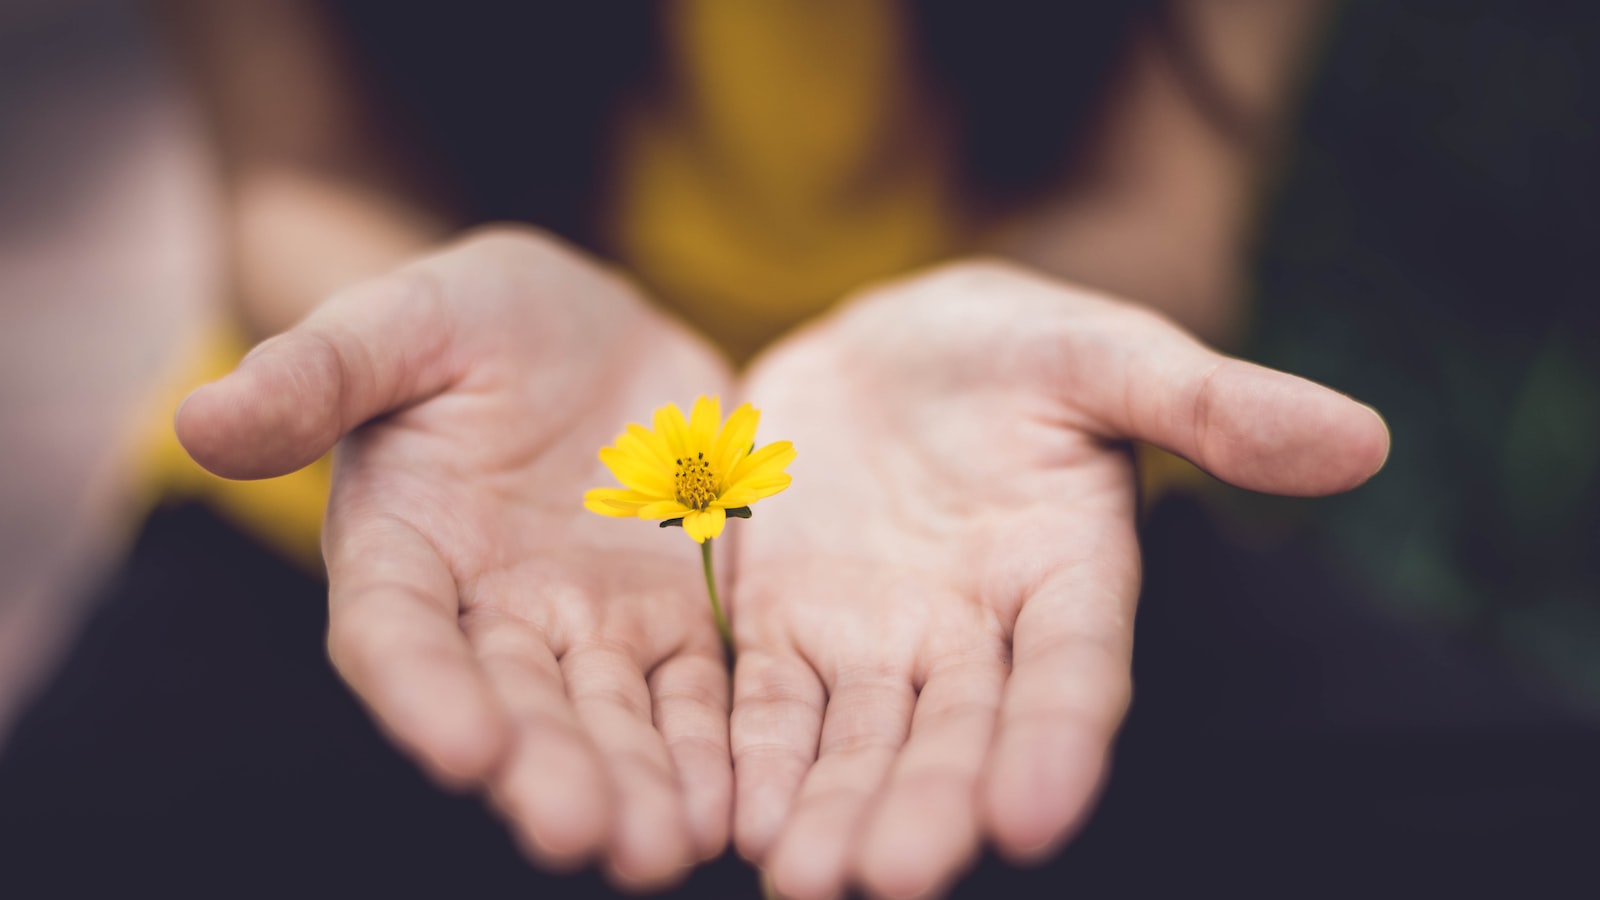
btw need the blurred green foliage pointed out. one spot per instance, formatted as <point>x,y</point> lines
<point>1432,252</point>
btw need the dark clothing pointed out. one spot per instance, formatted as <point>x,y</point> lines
<point>1283,743</point>
<point>508,113</point>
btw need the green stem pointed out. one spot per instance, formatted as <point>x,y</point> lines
<point>716,605</point>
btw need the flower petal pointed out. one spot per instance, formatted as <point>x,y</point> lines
<point>734,440</point>
<point>614,502</point>
<point>663,509</point>
<point>769,460</point>
<point>648,446</point>
<point>637,474</point>
<point>674,429</point>
<point>750,490</point>
<point>703,422</point>
<point>704,525</point>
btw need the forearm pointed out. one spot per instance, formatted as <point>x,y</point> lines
<point>297,236</point>
<point>313,199</point>
<point>1163,207</point>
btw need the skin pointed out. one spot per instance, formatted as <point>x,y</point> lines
<point>474,605</point>
<point>935,623</point>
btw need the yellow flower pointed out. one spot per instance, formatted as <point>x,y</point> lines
<point>691,469</point>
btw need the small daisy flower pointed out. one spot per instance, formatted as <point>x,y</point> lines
<point>693,472</point>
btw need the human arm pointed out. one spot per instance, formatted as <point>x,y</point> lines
<point>314,196</point>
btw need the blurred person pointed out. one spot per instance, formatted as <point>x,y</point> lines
<point>935,626</point>
<point>106,270</point>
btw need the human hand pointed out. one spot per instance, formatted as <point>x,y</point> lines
<point>935,624</point>
<point>505,637</point>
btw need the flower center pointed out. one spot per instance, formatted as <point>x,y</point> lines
<point>695,483</point>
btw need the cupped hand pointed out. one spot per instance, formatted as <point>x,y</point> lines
<point>512,642</point>
<point>935,623</point>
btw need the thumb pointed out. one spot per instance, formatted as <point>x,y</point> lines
<point>1246,424</point>
<point>367,350</point>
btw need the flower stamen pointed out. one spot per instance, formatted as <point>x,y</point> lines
<point>695,484</point>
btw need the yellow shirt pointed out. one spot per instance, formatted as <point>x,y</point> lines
<point>791,158</point>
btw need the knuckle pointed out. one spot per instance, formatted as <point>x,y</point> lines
<point>365,331</point>
<point>958,713</point>
<point>653,768</point>
<point>321,375</point>
<point>691,693</point>
<point>937,777</point>
<point>1204,412</point>
<point>771,755</point>
<point>292,415</point>
<point>868,743</point>
<point>770,688</point>
<point>360,639</point>
<point>689,749</point>
<point>632,700</point>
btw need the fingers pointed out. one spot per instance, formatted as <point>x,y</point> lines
<point>552,788</point>
<point>404,337</point>
<point>924,829</point>
<point>649,845</point>
<point>691,711</point>
<point>366,351</point>
<point>777,718</point>
<point>1248,425</point>
<point>392,635</point>
<point>866,723</point>
<point>1067,694</point>
<point>1125,372</point>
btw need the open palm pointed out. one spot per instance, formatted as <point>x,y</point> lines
<point>935,623</point>
<point>512,641</point>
